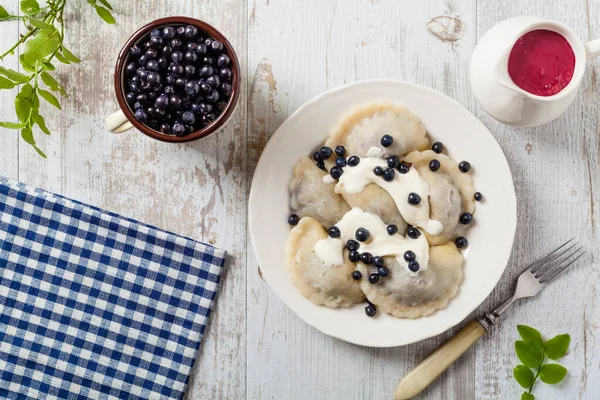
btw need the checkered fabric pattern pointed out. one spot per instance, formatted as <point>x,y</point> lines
<point>94,305</point>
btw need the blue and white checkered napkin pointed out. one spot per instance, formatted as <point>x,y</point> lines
<point>94,305</point>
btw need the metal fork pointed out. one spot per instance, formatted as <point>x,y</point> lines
<point>530,282</point>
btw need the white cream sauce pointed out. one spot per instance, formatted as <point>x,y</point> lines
<point>330,250</point>
<point>354,180</point>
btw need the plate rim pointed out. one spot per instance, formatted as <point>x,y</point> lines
<point>311,102</point>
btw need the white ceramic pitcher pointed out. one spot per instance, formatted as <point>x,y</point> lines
<point>496,91</point>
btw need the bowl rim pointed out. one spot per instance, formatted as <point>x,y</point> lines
<point>122,61</point>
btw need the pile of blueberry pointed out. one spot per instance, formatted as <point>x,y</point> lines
<point>178,80</point>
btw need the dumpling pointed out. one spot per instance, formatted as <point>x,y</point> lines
<point>450,193</point>
<point>311,197</point>
<point>363,128</point>
<point>407,295</point>
<point>331,286</point>
<point>375,200</point>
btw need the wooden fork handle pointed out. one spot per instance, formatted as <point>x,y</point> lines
<point>425,373</point>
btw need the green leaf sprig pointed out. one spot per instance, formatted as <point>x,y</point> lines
<point>532,351</point>
<point>43,43</point>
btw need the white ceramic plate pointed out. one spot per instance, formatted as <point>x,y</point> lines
<point>465,138</point>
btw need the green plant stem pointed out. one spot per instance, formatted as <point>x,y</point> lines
<point>537,374</point>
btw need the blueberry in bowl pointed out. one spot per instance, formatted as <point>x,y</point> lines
<point>177,79</point>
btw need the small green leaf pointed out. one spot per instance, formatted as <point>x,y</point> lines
<point>552,373</point>
<point>61,58</point>
<point>27,135</point>
<point>3,13</point>
<point>105,15</point>
<point>47,66</point>
<point>38,23</point>
<point>39,151</point>
<point>529,354</point>
<point>39,120</point>
<point>30,7</point>
<point>49,81</point>
<point>6,83</point>
<point>530,335</point>
<point>557,347</point>
<point>44,43</point>
<point>70,56</point>
<point>106,4</point>
<point>527,396</point>
<point>25,102</point>
<point>14,75</point>
<point>49,97</point>
<point>523,375</point>
<point>11,125</point>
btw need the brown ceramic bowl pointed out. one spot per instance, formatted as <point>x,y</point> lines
<point>122,62</point>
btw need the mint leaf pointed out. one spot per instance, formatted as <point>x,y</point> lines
<point>529,354</point>
<point>14,75</point>
<point>105,15</point>
<point>6,83</point>
<point>38,23</point>
<point>61,58</point>
<point>70,56</point>
<point>27,135</point>
<point>552,373</point>
<point>30,7</point>
<point>523,375</point>
<point>530,335</point>
<point>106,4</point>
<point>49,97</point>
<point>49,81</point>
<point>25,102</point>
<point>557,347</point>
<point>11,125</point>
<point>527,396</point>
<point>39,151</point>
<point>3,13</point>
<point>39,120</point>
<point>44,43</point>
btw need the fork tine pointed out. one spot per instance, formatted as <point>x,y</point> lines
<point>556,259</point>
<point>554,272</point>
<point>537,264</point>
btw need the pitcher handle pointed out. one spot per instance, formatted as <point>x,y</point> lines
<point>593,48</point>
<point>117,122</point>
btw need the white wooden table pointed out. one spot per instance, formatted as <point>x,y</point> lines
<point>290,51</point>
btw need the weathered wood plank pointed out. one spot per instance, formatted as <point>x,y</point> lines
<point>314,46</point>
<point>555,169</point>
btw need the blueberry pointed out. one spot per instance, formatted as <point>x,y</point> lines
<point>461,242</point>
<point>356,275</point>
<point>169,32</point>
<point>166,51</point>
<point>137,105</point>
<point>414,199</point>
<point>341,162</point>
<point>188,118</point>
<point>336,172</point>
<point>387,140</point>
<point>222,105</point>
<point>171,79</point>
<point>466,218</point>
<point>403,168</point>
<point>383,271</point>
<point>190,57</point>
<point>192,88</point>
<point>152,65</point>
<point>150,111</point>
<point>205,88</point>
<point>223,60</point>
<point>353,161</point>
<point>340,151</point>
<point>141,115</point>
<point>186,102</point>
<point>226,88</point>
<point>190,70</point>
<point>434,165</point>
<point>177,70</point>
<point>478,196</point>
<point>156,42</point>
<point>134,87</point>
<point>414,266</point>
<point>208,60</point>
<point>161,102</point>
<point>131,68</point>
<point>176,43</point>
<point>464,166</point>
<point>354,256</point>
<point>366,258</point>
<point>326,152</point>
<point>151,54</point>
<point>378,261</point>
<point>352,245</point>
<point>179,129</point>
<point>392,161</point>
<point>207,71</point>
<point>205,108</point>
<point>135,50</point>
<point>130,97</point>
<point>334,232</point>
<point>175,102</point>
<point>155,32</point>
<point>165,128</point>
<point>214,81</point>
<point>373,278</point>
<point>213,97</point>
<point>392,229</point>
<point>388,175</point>
<point>153,78</point>
<point>437,147</point>
<point>180,30</point>
<point>413,232</point>
<point>208,118</point>
<point>146,45</point>
<point>142,98</point>
<point>378,170</point>
<point>362,234</point>
<point>136,79</point>
<point>370,310</point>
<point>208,41</point>
<point>146,86</point>
<point>321,165</point>
<point>201,49</point>
<point>190,32</point>
<point>162,63</point>
<point>226,74</point>
<point>216,46</point>
<point>180,83</point>
<point>409,256</point>
<point>191,46</point>
<point>169,90</point>
<point>177,57</point>
<point>143,60</point>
